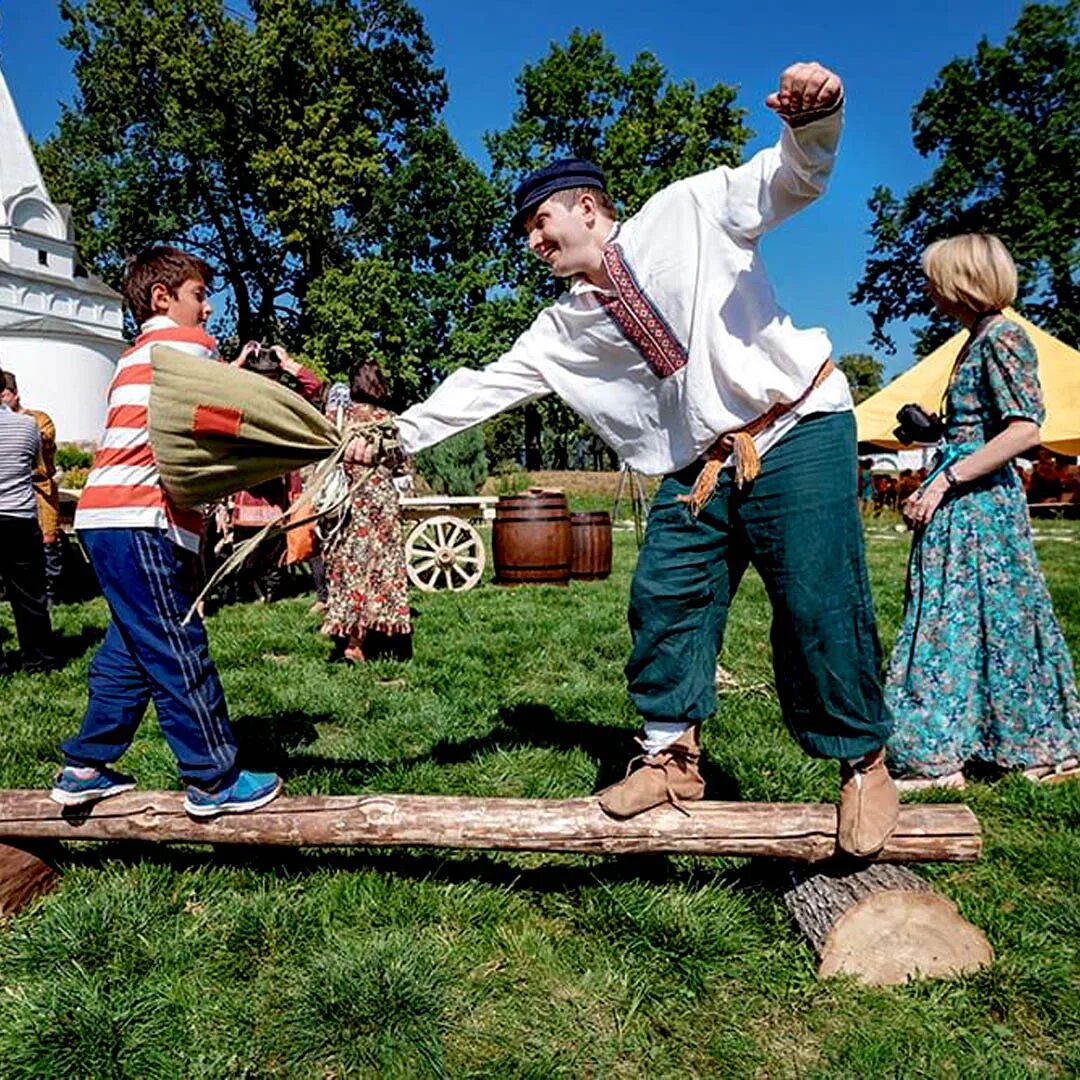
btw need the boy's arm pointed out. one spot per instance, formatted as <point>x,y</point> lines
<point>779,181</point>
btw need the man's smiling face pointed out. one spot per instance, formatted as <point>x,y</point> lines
<point>562,235</point>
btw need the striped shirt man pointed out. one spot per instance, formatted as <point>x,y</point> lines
<point>20,459</point>
<point>124,490</point>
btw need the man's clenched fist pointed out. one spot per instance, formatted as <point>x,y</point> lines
<point>805,88</point>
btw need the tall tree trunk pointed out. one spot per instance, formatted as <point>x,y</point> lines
<point>534,428</point>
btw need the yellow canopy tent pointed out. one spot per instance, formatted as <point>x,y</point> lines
<point>1059,373</point>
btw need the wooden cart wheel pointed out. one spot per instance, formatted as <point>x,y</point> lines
<point>444,552</point>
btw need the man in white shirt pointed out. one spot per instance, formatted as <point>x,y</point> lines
<point>671,345</point>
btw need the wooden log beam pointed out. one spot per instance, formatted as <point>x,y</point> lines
<point>803,832</point>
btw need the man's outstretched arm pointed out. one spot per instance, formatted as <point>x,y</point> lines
<point>468,396</point>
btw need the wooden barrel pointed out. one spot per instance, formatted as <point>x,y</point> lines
<point>530,539</point>
<point>590,545</point>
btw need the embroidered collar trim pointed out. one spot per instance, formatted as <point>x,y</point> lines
<point>640,320</point>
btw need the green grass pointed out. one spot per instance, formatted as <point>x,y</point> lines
<point>151,963</point>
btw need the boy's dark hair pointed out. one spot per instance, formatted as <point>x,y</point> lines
<point>8,382</point>
<point>367,385</point>
<point>160,265</point>
<point>569,197</point>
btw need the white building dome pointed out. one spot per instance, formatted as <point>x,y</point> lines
<point>61,330</point>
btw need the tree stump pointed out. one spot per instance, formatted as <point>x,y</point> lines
<point>882,924</point>
<point>24,875</point>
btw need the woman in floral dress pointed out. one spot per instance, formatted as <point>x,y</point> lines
<point>366,583</point>
<point>980,671</point>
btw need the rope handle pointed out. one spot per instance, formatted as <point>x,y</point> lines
<point>383,433</point>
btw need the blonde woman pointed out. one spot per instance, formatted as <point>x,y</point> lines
<point>980,671</point>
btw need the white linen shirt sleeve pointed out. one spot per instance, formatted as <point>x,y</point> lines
<point>468,396</point>
<point>775,183</point>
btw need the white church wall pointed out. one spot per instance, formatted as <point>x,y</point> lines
<point>66,377</point>
<point>63,299</point>
<point>38,253</point>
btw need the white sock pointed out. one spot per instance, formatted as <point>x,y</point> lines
<point>858,763</point>
<point>660,734</point>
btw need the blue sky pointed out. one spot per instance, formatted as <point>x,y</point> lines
<point>887,54</point>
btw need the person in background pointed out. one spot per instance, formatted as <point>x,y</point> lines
<point>46,491</point>
<point>980,672</point>
<point>337,404</point>
<point>1047,478</point>
<point>263,572</point>
<point>884,493</point>
<point>366,581</point>
<point>866,484</point>
<point>22,556</point>
<point>1071,490</point>
<point>138,541</point>
<point>906,485</point>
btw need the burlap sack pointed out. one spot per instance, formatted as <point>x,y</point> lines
<point>216,429</point>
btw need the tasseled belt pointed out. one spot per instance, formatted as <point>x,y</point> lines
<point>740,445</point>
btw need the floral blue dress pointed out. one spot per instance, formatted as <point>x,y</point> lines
<point>980,670</point>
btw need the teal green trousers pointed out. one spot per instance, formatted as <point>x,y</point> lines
<point>798,525</point>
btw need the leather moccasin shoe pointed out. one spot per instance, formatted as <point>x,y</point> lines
<point>669,776</point>
<point>869,805</point>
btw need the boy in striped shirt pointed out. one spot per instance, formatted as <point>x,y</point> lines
<point>137,540</point>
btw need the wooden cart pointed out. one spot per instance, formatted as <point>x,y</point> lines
<point>443,548</point>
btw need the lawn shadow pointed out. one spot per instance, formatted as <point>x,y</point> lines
<point>267,743</point>
<point>69,647</point>
<point>612,748</point>
<point>377,646</point>
<point>559,873</point>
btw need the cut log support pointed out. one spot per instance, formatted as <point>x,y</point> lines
<point>799,831</point>
<point>882,924</point>
<point>24,875</point>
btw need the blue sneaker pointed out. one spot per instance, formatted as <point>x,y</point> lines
<point>75,785</point>
<point>248,791</point>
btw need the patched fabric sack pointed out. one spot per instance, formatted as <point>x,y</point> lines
<point>216,429</point>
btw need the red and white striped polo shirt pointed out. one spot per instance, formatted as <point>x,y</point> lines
<point>124,490</point>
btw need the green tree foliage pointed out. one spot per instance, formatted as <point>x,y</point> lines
<point>1004,129</point>
<point>864,374</point>
<point>264,143</point>
<point>642,129</point>
<point>418,304</point>
<point>457,466</point>
<point>298,147</point>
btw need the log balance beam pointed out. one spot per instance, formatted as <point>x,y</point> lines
<point>803,832</point>
<point>875,921</point>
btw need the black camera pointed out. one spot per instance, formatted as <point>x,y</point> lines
<point>916,425</point>
<point>262,360</point>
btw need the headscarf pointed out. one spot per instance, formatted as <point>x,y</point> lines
<point>337,397</point>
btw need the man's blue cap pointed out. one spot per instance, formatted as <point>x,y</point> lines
<point>543,183</point>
